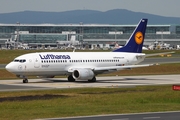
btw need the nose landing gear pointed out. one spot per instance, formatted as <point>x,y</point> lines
<point>25,80</point>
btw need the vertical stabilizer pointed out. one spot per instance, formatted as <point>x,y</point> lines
<point>135,42</point>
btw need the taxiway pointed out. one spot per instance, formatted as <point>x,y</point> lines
<point>170,115</point>
<point>103,82</point>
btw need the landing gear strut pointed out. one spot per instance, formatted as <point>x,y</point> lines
<point>25,80</point>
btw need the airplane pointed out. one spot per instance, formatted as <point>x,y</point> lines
<point>82,65</point>
<point>71,42</point>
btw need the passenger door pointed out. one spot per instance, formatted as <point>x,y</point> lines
<point>36,62</point>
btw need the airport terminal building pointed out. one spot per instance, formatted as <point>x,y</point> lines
<point>50,34</point>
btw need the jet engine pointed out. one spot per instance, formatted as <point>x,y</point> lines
<point>83,74</point>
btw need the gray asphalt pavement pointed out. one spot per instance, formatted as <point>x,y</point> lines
<point>161,60</point>
<point>2,66</point>
<point>117,81</point>
<point>105,82</point>
<point>139,116</point>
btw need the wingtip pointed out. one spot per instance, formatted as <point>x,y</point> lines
<point>154,64</point>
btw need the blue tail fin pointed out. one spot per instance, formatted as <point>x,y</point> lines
<point>135,42</point>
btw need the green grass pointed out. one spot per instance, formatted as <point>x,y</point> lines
<point>24,105</point>
<point>89,101</point>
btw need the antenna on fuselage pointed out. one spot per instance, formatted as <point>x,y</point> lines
<point>74,49</point>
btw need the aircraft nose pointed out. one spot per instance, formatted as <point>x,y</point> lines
<point>10,67</point>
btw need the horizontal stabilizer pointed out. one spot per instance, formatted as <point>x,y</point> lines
<point>155,54</point>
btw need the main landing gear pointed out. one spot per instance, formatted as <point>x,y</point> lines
<point>25,80</point>
<point>93,79</point>
<point>71,79</point>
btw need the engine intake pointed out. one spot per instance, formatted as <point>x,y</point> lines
<point>83,74</point>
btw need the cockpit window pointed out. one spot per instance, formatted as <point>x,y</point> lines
<point>16,60</point>
<point>21,60</point>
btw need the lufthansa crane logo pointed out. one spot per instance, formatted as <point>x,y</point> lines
<point>139,38</point>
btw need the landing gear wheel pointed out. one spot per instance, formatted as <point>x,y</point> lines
<point>93,79</point>
<point>71,79</point>
<point>25,80</point>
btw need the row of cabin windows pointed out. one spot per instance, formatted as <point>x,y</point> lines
<point>54,61</point>
<point>93,60</point>
<point>75,61</point>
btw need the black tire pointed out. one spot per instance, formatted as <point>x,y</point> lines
<point>71,79</point>
<point>93,79</point>
<point>25,80</point>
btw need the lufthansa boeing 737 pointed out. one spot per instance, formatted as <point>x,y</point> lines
<point>82,65</point>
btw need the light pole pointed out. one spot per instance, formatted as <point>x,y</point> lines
<point>17,30</point>
<point>162,35</point>
<point>115,34</point>
<point>81,33</point>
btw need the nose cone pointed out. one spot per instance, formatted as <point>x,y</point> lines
<point>10,67</point>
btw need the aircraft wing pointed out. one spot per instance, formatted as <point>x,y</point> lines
<point>114,68</point>
<point>121,67</point>
<point>155,54</point>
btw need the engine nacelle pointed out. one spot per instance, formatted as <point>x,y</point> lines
<point>83,74</point>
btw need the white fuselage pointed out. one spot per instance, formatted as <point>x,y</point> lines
<point>58,63</point>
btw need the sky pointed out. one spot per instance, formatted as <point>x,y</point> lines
<point>169,8</point>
